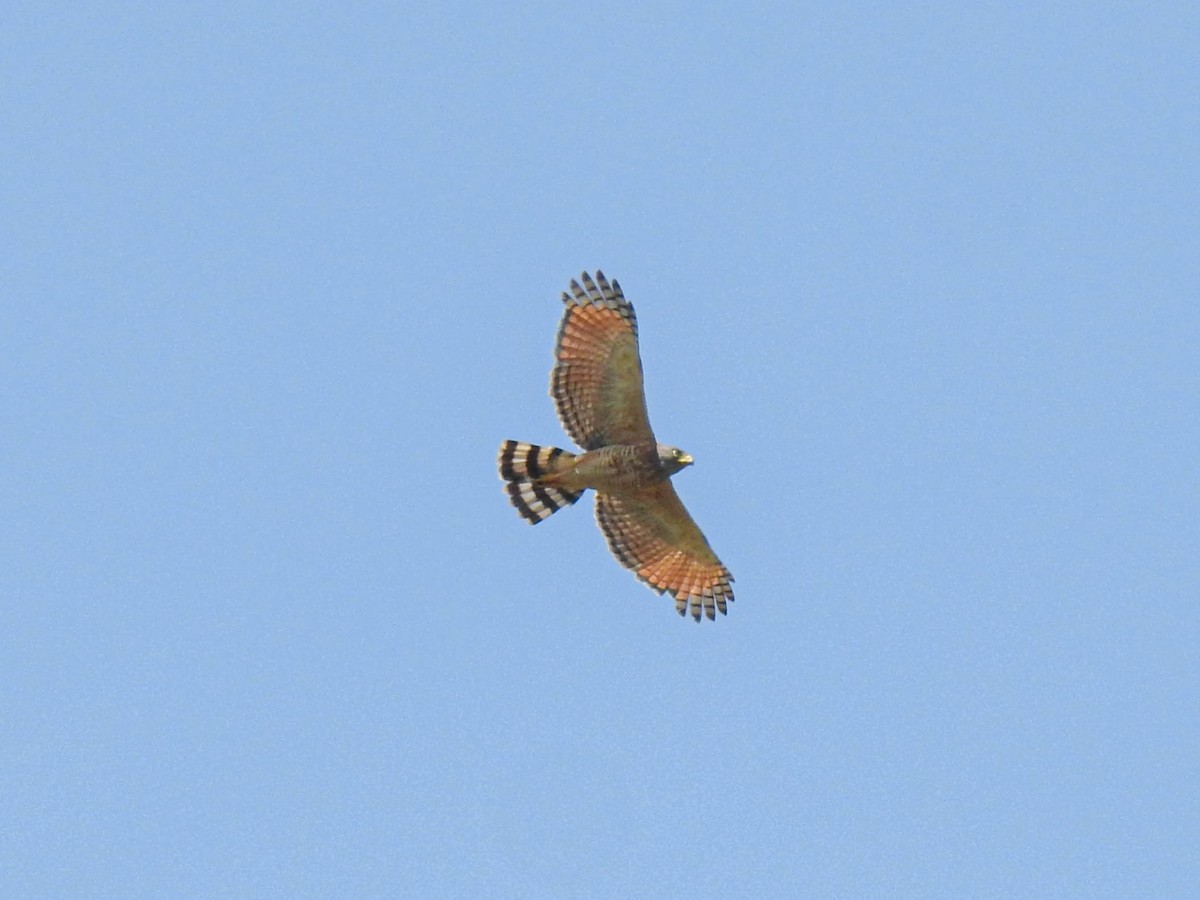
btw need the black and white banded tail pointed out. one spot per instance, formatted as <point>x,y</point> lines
<point>525,469</point>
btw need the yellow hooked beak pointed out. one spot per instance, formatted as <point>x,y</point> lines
<point>686,459</point>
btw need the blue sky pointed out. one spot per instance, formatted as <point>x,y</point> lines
<point>918,290</point>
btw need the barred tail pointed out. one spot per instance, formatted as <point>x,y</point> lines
<point>524,468</point>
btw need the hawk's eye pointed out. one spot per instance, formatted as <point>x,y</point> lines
<point>678,453</point>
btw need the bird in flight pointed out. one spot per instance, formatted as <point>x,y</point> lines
<point>597,388</point>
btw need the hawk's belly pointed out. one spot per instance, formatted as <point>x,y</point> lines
<point>618,469</point>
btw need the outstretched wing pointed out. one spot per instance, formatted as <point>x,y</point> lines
<point>596,382</point>
<point>651,533</point>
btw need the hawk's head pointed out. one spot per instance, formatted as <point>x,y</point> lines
<point>672,458</point>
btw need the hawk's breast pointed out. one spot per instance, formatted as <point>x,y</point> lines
<point>619,469</point>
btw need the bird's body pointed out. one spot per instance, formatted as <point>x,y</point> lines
<point>620,469</point>
<point>596,384</point>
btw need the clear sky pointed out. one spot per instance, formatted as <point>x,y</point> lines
<point>918,289</point>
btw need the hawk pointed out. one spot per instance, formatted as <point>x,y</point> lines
<point>596,384</point>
